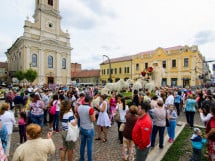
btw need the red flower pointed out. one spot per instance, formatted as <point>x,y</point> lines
<point>150,69</point>
<point>143,73</point>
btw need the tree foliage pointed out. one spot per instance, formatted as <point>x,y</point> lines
<point>20,75</point>
<point>30,75</point>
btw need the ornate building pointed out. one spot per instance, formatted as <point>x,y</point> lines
<point>43,47</point>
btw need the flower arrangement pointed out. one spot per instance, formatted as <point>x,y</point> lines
<point>147,72</point>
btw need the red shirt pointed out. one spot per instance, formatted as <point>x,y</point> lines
<point>142,131</point>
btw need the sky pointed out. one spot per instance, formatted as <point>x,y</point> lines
<point>119,27</point>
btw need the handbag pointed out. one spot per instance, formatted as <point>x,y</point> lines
<point>72,133</point>
<point>122,127</point>
<point>116,116</point>
<point>52,110</point>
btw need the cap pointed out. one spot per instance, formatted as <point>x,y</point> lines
<point>196,130</point>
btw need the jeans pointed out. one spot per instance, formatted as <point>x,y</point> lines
<point>120,136</point>
<point>177,105</point>
<point>171,129</point>
<point>22,133</point>
<point>190,117</point>
<point>197,155</point>
<point>161,130</point>
<point>56,121</point>
<point>86,137</point>
<point>37,119</point>
<point>141,154</point>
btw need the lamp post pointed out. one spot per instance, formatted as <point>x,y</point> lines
<point>110,78</point>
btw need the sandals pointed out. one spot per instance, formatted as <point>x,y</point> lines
<point>104,140</point>
<point>98,138</point>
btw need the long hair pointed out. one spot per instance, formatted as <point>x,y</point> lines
<point>65,107</point>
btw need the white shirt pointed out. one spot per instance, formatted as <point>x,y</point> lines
<point>169,100</point>
<point>9,120</point>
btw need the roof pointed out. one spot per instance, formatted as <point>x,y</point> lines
<point>86,73</point>
<point>165,49</point>
<point>3,64</point>
<point>119,59</point>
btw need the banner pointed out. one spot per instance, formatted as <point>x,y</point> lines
<point>213,67</point>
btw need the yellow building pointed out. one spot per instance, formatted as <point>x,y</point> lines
<point>175,66</point>
<point>43,47</point>
<point>118,68</point>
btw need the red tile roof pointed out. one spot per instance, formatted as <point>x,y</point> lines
<point>3,64</point>
<point>165,49</point>
<point>119,59</point>
<point>86,73</point>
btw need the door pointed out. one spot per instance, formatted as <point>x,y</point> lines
<point>50,80</point>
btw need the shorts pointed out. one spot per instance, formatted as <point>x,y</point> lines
<point>68,145</point>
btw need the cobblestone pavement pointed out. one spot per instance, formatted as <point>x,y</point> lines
<point>109,151</point>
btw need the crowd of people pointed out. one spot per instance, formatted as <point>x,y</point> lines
<point>140,118</point>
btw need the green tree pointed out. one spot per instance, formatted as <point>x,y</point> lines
<point>30,75</point>
<point>20,75</point>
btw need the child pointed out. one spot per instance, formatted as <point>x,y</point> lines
<point>172,116</point>
<point>22,126</point>
<point>197,143</point>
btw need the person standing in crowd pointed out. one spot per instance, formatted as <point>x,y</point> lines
<point>35,148</point>
<point>36,108</point>
<point>22,121</point>
<point>54,119</point>
<point>159,123</point>
<point>122,108</point>
<point>190,109</point>
<point>96,103</point>
<point>210,133</point>
<point>170,99</point>
<point>172,116</point>
<point>128,144</point>
<point>177,102</point>
<point>135,100</point>
<point>87,117</point>
<point>45,98</point>
<point>141,133</point>
<point>197,144</point>
<point>8,119</point>
<point>3,136</point>
<point>112,103</point>
<point>103,120</point>
<point>67,115</point>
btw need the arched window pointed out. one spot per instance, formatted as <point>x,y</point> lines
<point>63,63</point>
<point>50,61</point>
<point>50,2</point>
<point>34,60</point>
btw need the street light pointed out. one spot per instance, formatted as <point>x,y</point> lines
<point>110,79</point>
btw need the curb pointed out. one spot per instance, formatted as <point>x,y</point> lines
<point>157,154</point>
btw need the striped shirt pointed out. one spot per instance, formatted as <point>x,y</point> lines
<point>67,117</point>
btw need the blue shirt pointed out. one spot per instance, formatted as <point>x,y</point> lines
<point>190,105</point>
<point>4,136</point>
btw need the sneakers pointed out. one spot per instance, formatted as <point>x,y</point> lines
<point>170,140</point>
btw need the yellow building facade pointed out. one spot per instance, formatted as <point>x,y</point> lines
<point>174,66</point>
<point>119,68</point>
<point>43,47</point>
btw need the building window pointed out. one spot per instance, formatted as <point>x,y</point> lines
<point>115,70</point>
<point>50,61</point>
<point>137,67</point>
<point>34,60</point>
<point>107,71</point>
<point>50,2</point>
<point>120,70</point>
<point>164,64</point>
<point>104,71</point>
<point>146,65</point>
<point>127,69</point>
<point>63,63</point>
<point>186,62</point>
<point>173,81</point>
<point>111,70</point>
<point>164,82</point>
<point>173,63</point>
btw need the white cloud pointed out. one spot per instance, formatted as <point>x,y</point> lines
<point>121,27</point>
